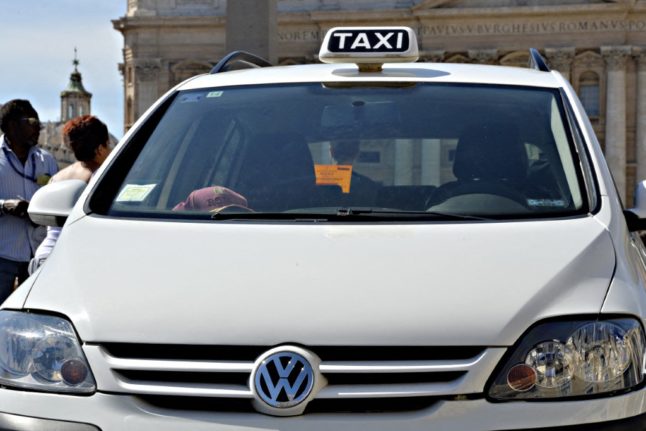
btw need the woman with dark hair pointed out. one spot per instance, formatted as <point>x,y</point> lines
<point>88,138</point>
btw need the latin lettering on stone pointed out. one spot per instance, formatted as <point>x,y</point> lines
<point>532,27</point>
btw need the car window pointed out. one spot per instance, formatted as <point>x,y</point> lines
<point>474,150</point>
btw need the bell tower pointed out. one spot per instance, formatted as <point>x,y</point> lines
<point>75,100</point>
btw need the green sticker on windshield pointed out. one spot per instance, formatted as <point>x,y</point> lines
<point>214,94</point>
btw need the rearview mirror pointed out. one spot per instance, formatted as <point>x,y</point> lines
<point>369,118</point>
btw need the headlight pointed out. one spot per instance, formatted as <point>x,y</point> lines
<point>573,359</point>
<point>42,352</point>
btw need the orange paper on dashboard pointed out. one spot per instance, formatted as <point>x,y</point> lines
<point>337,175</point>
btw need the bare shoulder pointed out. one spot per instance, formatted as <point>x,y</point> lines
<point>75,171</point>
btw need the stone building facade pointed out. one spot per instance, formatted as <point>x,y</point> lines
<point>599,45</point>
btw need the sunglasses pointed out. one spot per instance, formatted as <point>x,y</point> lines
<point>31,121</point>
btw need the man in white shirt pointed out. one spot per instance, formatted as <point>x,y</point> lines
<point>24,168</point>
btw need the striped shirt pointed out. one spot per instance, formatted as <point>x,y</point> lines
<point>19,237</point>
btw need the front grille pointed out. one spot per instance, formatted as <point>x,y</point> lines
<point>359,378</point>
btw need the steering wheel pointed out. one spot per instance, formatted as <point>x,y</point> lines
<point>232,209</point>
<point>491,188</point>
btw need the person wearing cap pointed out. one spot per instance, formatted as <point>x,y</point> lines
<point>24,168</point>
<point>213,199</point>
<point>88,138</point>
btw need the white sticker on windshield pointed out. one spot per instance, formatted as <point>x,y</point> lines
<point>191,98</point>
<point>547,203</point>
<point>214,94</point>
<point>135,192</point>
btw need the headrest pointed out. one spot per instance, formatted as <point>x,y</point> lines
<point>491,151</point>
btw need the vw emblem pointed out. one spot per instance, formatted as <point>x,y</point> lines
<point>283,379</point>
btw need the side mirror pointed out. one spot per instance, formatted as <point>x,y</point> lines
<point>52,203</point>
<point>636,216</point>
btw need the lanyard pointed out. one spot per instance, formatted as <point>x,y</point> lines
<point>15,169</point>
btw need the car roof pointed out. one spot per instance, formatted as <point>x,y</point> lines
<point>396,72</point>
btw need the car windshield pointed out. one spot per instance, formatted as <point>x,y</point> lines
<point>407,151</point>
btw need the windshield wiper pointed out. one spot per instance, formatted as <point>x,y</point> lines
<point>387,213</point>
<point>345,214</point>
<point>269,216</point>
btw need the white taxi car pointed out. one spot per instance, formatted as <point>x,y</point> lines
<point>368,244</point>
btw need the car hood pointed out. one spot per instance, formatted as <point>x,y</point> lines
<point>468,283</point>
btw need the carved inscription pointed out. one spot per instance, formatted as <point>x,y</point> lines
<point>299,36</point>
<point>575,26</point>
<point>506,28</point>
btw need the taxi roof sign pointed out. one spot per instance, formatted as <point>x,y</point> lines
<point>369,45</point>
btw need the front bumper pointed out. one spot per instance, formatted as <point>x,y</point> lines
<point>637,423</point>
<point>31,411</point>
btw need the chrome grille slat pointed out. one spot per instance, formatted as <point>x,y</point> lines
<point>399,366</point>
<point>194,389</point>
<point>387,391</point>
<point>187,366</point>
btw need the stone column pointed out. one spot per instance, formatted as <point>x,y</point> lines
<point>561,59</point>
<point>484,56</point>
<point>431,169</point>
<point>128,88</point>
<point>640,56</point>
<point>146,87</point>
<point>251,26</point>
<point>615,57</point>
<point>404,154</point>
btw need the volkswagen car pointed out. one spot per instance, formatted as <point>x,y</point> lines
<point>369,243</point>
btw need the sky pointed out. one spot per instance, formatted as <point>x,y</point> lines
<point>37,41</point>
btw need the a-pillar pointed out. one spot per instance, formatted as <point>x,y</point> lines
<point>615,57</point>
